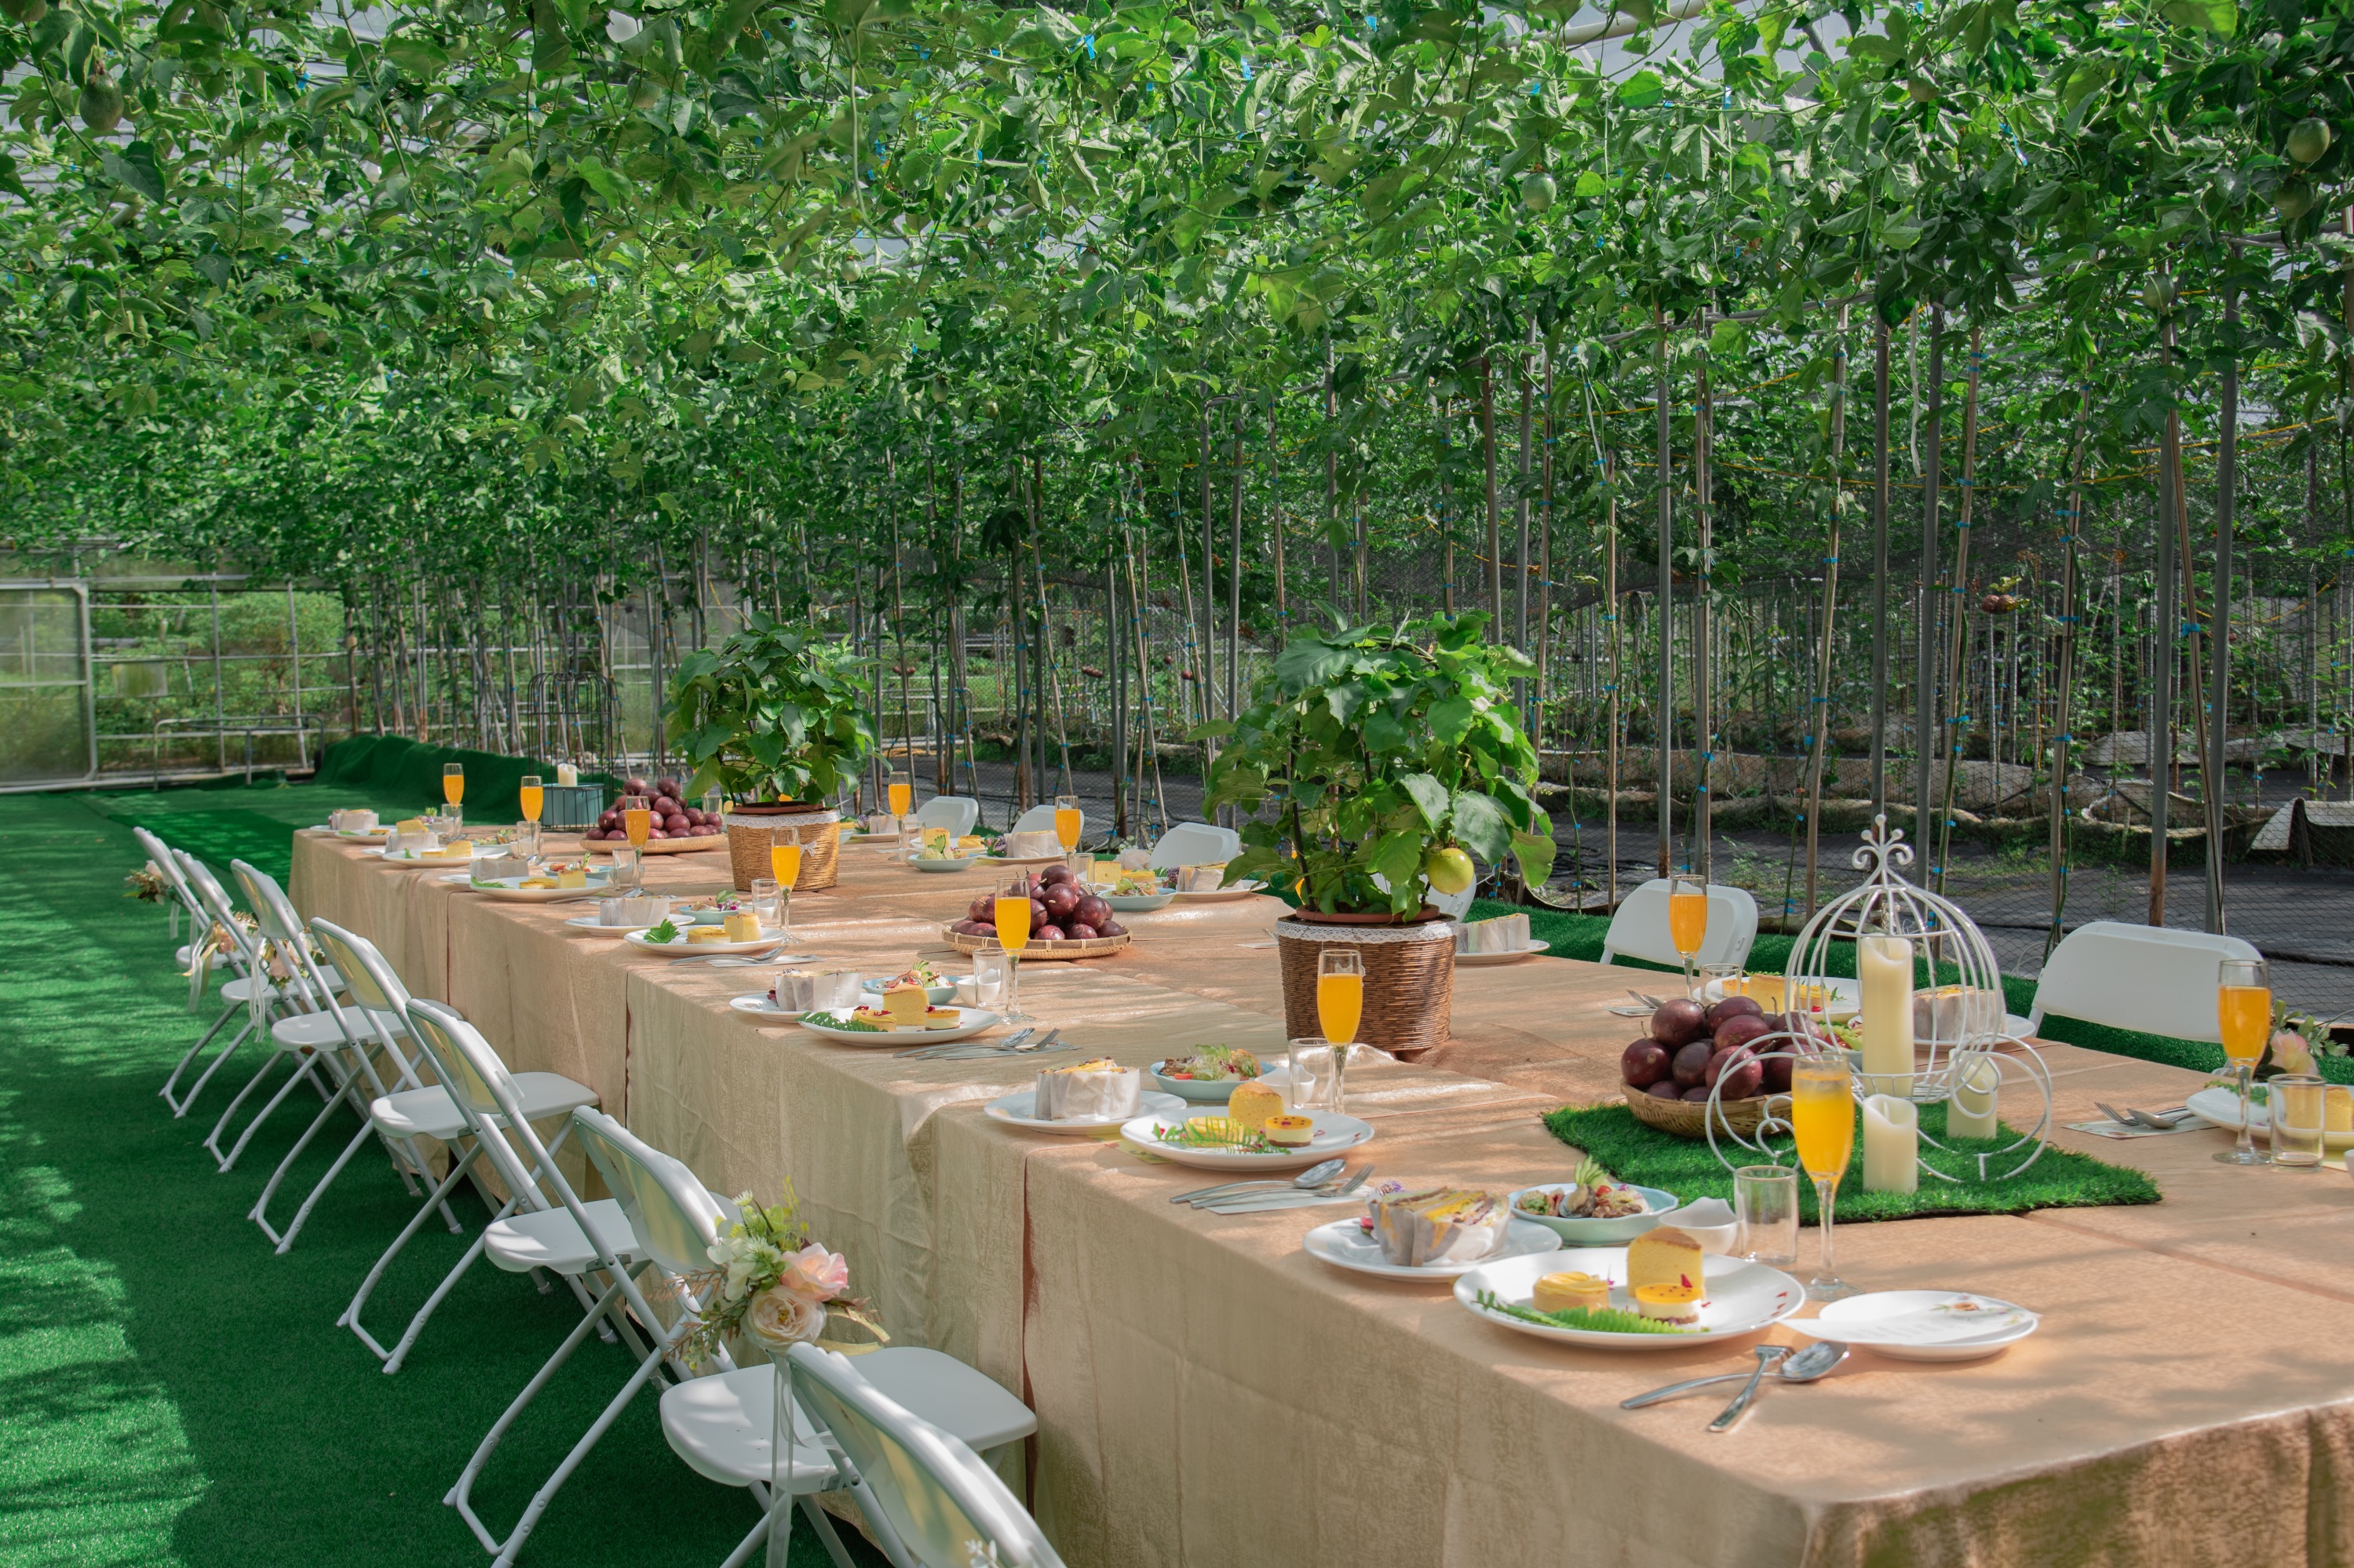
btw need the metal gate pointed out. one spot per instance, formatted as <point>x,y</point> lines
<point>48,728</point>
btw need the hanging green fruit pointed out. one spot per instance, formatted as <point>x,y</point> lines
<point>26,11</point>
<point>2308,140</point>
<point>1538,191</point>
<point>1448,869</point>
<point>2158,294</point>
<point>100,104</point>
<point>2293,200</point>
<point>1921,90</point>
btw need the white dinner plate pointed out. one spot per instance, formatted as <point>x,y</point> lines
<point>681,947</point>
<point>954,862</point>
<point>1345,1243</point>
<point>1222,895</point>
<point>349,832</point>
<point>1333,1134</point>
<point>591,923</point>
<point>410,857</point>
<point>1022,859</point>
<point>2222,1107</point>
<point>1515,956</point>
<point>971,1021</point>
<point>1014,1110</point>
<point>505,888</point>
<point>1743,1298</point>
<point>1844,1003</point>
<point>1135,902</point>
<point>1597,1232</point>
<point>1923,1325</point>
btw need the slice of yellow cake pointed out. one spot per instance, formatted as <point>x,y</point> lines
<point>1663,1257</point>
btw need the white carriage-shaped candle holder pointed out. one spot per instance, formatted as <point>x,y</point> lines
<point>1947,1041</point>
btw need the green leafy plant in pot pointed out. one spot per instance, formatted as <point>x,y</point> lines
<point>1375,763</point>
<point>779,723</point>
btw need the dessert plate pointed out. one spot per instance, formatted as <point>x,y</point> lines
<point>505,888</point>
<point>1335,1133</point>
<point>681,947</point>
<point>760,1006</point>
<point>1743,1298</point>
<point>971,1021</point>
<point>1222,895</point>
<point>2222,1107</point>
<point>1014,1110</point>
<point>1020,859</point>
<point>1515,956</point>
<point>410,857</point>
<point>1593,1232</point>
<point>1345,1243</point>
<point>1923,1325</point>
<point>591,923</point>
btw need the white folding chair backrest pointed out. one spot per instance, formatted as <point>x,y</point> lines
<point>160,856</point>
<point>245,951</point>
<point>1196,843</point>
<point>957,813</point>
<point>285,930</point>
<point>1041,820</point>
<point>2149,978</point>
<point>676,1218</point>
<point>478,1081</point>
<point>366,974</point>
<point>1639,929</point>
<point>948,1508</point>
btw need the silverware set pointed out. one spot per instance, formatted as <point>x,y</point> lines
<point>2164,1120</point>
<point>1326,1183</point>
<point>1018,1043</point>
<point>1641,1007</point>
<point>774,956</point>
<point>1776,1363</point>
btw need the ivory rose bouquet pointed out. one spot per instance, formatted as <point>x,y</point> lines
<point>768,1279</point>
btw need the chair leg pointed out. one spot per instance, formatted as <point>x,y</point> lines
<point>318,1191</point>
<point>258,1213</point>
<point>189,1100</point>
<point>307,1073</point>
<point>458,1166</point>
<point>742,1556</point>
<point>229,1113</point>
<point>180,1107</point>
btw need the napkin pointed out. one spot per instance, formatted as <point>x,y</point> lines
<point>1436,1225</point>
<point>1082,1092</point>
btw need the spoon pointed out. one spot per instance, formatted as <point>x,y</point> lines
<point>1804,1367</point>
<point>1316,1175</point>
<point>1768,1356</point>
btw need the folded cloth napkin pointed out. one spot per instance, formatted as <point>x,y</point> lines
<point>1088,1091</point>
<point>1436,1225</point>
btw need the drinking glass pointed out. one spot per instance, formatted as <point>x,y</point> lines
<point>992,972</point>
<point>1340,994</point>
<point>1687,919</point>
<point>1822,1114</point>
<point>768,901</point>
<point>453,788</point>
<point>2295,1103</point>
<point>533,798</point>
<point>1068,819</point>
<point>637,821</point>
<point>785,860</point>
<point>1298,1085</point>
<point>1012,912</point>
<point>2244,1005</point>
<point>629,868</point>
<point>1766,1204</point>
<point>900,789</point>
<point>1725,979</point>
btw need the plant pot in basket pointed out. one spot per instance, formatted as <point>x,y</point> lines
<point>753,831</point>
<point>1409,975</point>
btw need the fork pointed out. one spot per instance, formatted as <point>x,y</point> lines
<point>1653,1003</point>
<point>1007,1043</point>
<point>775,955</point>
<point>1267,1203</point>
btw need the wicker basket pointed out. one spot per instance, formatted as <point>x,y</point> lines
<point>1093,948</point>
<point>749,839</point>
<point>1689,1118</point>
<point>1409,979</point>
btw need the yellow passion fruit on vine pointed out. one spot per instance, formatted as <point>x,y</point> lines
<point>1537,192</point>
<point>2293,200</point>
<point>1448,869</point>
<point>2308,139</point>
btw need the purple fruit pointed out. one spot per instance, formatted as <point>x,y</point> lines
<point>1060,899</point>
<point>1677,1021</point>
<point>1040,916</point>
<point>1055,873</point>
<point>981,908</point>
<point>1082,932</point>
<point>1643,1063</point>
<point>1697,1094</point>
<point>1689,1061</point>
<point>1665,1089</point>
<point>1738,1070</point>
<point>1047,934</point>
<point>609,819</point>
<point>1777,1076</point>
<point>638,786</point>
<point>1111,929</point>
<point>1740,1030</point>
<point>1092,909</point>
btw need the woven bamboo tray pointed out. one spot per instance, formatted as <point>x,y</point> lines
<point>1689,1118</point>
<point>818,832</point>
<point>1094,948</point>
<point>686,847</point>
<point>1409,980</point>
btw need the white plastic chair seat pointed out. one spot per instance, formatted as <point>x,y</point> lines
<point>1196,843</point>
<point>957,813</point>
<point>721,1425</point>
<point>431,1113</point>
<point>319,1031</point>
<point>551,1239</point>
<point>2145,978</point>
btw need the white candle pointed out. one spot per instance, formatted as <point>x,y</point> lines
<point>1970,1112</point>
<point>566,775</point>
<point>1891,1144</point>
<point>1884,966</point>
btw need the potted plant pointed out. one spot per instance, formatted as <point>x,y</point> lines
<point>776,721</point>
<point>1374,765</point>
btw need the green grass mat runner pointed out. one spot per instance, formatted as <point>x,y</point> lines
<point>1648,1156</point>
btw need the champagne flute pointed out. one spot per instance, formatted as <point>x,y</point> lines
<point>453,788</point>
<point>1823,1115</point>
<point>2243,1006</point>
<point>1339,1007</point>
<point>1687,919</point>
<point>1012,912</point>
<point>1068,819</point>
<point>785,864</point>
<point>901,790</point>
<point>534,797</point>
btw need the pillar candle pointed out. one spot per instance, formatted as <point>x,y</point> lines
<point>1970,1114</point>
<point>1891,1144</point>
<point>566,775</point>
<point>1884,966</point>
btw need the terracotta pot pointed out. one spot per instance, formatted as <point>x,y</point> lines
<point>775,809</point>
<point>1409,975</point>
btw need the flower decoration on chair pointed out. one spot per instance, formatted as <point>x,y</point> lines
<point>769,1281</point>
<point>147,884</point>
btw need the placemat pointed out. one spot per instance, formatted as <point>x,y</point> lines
<point>1633,1152</point>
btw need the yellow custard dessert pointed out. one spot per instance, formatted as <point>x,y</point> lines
<point>906,1005</point>
<point>706,934</point>
<point>572,876</point>
<point>1562,1292</point>
<point>1669,1303</point>
<point>1285,1131</point>
<point>545,883</point>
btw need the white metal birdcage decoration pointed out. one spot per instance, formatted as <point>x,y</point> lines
<point>1962,1043</point>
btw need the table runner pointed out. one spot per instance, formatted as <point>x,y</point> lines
<point>1207,1393</point>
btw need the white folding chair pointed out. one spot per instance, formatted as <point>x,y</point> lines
<point>930,1499</point>
<point>1639,928</point>
<point>184,900</point>
<point>1196,843</point>
<point>2147,977</point>
<point>437,1112</point>
<point>303,1030</point>
<point>167,861</point>
<point>362,1031</point>
<point>575,1240</point>
<point>957,813</point>
<point>255,991</point>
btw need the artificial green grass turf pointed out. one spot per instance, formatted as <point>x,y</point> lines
<point>1650,1157</point>
<point>171,1393</point>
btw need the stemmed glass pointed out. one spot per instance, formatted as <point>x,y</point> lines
<point>1012,912</point>
<point>1823,1115</point>
<point>2243,1006</point>
<point>902,789</point>
<point>453,788</point>
<point>638,822</point>
<point>534,797</point>
<point>1068,819</point>
<point>785,863</point>
<point>1687,919</point>
<point>1339,1007</point>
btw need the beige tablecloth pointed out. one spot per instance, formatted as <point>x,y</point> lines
<point>1209,1394</point>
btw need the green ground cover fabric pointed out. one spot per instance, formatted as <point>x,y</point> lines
<point>171,1393</point>
<point>1686,1167</point>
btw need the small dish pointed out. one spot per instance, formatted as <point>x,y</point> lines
<point>681,947</point>
<point>591,923</point>
<point>1345,1243</point>
<point>1199,1091</point>
<point>1221,895</point>
<point>1658,1202</point>
<point>1923,1325</point>
<point>938,995</point>
<point>945,863</point>
<point>1014,1110</point>
<point>1482,960</point>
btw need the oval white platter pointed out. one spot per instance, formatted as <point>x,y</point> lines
<point>1913,1315</point>
<point>971,1021</point>
<point>1597,1232</point>
<point>590,923</point>
<point>1014,1110</point>
<point>1333,1134</point>
<point>410,857</point>
<point>1480,960</point>
<point>1136,902</point>
<point>684,949</point>
<point>1022,859</point>
<point>505,888</point>
<point>368,833</point>
<point>1345,1243</point>
<point>1743,1298</point>
<point>1221,895</point>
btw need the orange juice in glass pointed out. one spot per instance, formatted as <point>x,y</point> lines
<point>1013,913</point>
<point>453,788</point>
<point>1687,919</point>
<point>785,863</point>
<point>1823,1115</point>
<point>903,795</point>
<point>1068,821</point>
<point>2244,1008</point>
<point>1340,994</point>
<point>637,819</point>
<point>533,796</point>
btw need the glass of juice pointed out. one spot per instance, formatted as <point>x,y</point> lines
<point>785,862</point>
<point>1822,1114</point>
<point>1068,821</point>
<point>1013,911</point>
<point>900,789</point>
<point>453,788</point>
<point>1687,919</point>
<point>533,798</point>
<point>2243,1007</point>
<point>1340,1007</point>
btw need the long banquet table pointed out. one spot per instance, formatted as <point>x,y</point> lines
<point>1209,1394</point>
